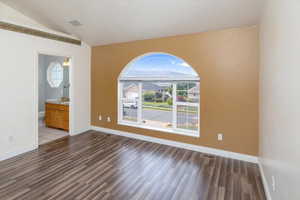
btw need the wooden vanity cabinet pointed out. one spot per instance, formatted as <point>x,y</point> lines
<point>57,116</point>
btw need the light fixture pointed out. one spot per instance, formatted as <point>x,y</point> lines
<point>66,62</point>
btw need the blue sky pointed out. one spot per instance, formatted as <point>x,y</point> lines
<point>159,65</point>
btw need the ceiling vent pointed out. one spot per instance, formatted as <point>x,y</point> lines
<point>75,23</point>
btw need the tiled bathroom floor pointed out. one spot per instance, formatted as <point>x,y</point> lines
<point>49,134</point>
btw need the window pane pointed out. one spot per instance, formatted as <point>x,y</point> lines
<point>55,75</point>
<point>187,92</point>
<point>187,117</point>
<point>130,101</point>
<point>157,104</point>
<point>182,86</point>
<point>193,92</point>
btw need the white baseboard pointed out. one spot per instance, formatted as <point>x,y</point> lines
<point>15,153</point>
<point>202,149</point>
<point>71,133</point>
<point>264,180</point>
<point>25,150</point>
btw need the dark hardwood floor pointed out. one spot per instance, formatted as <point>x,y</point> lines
<point>94,165</point>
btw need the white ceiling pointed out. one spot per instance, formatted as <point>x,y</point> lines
<point>113,21</point>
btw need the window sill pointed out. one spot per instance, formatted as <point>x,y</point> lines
<point>178,132</point>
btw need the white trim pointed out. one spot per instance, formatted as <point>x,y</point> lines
<point>26,150</point>
<point>50,68</point>
<point>173,131</point>
<point>36,89</point>
<point>218,152</point>
<point>179,103</point>
<point>79,132</point>
<point>174,106</point>
<point>140,104</point>
<point>120,107</point>
<point>8,155</point>
<point>139,124</point>
<point>264,180</point>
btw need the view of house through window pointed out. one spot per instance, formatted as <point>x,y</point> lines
<point>160,91</point>
<point>130,95</point>
<point>157,104</point>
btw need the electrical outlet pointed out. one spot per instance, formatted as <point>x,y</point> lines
<point>108,119</point>
<point>220,136</point>
<point>100,117</point>
<point>273,184</point>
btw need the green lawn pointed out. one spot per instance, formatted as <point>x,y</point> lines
<point>165,106</point>
<point>157,104</point>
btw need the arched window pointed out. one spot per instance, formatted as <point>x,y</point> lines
<point>55,74</point>
<point>160,91</point>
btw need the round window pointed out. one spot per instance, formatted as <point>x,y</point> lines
<point>55,74</point>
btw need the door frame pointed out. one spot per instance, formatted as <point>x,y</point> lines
<point>36,91</point>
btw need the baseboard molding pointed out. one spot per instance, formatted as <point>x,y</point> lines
<point>202,149</point>
<point>25,150</point>
<point>79,132</point>
<point>264,180</point>
<point>16,153</point>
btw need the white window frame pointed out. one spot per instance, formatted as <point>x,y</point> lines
<point>139,124</point>
<point>50,75</point>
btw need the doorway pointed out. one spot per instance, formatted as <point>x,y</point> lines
<point>53,97</point>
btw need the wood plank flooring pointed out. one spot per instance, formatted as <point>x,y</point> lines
<point>94,165</point>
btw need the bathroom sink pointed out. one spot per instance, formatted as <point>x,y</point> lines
<point>57,101</point>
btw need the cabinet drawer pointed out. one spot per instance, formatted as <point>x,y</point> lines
<point>57,107</point>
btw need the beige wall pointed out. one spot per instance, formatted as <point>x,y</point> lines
<point>227,62</point>
<point>280,97</point>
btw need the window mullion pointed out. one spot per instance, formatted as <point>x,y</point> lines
<point>174,110</point>
<point>120,94</point>
<point>140,105</point>
<point>187,104</point>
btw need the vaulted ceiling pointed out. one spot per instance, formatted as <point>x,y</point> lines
<point>113,21</point>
